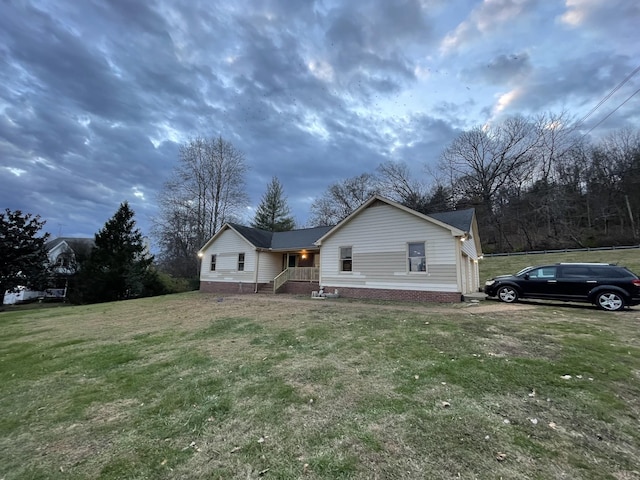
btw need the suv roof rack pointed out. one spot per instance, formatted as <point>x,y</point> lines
<point>584,263</point>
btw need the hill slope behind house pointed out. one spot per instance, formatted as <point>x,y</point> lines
<point>504,265</point>
<point>201,386</point>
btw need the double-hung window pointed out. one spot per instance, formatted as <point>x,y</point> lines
<point>346,262</point>
<point>417,258</point>
<point>213,263</point>
<point>241,262</point>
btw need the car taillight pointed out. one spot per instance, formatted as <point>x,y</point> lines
<point>636,282</point>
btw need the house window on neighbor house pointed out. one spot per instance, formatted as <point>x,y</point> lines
<point>241,262</point>
<point>346,262</point>
<point>417,257</point>
<point>213,263</point>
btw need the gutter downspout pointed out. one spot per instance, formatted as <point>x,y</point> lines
<point>458,242</point>
<point>255,289</point>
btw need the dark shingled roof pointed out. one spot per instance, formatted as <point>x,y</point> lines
<point>258,238</point>
<point>292,239</point>
<point>298,238</point>
<point>460,219</point>
<point>75,244</point>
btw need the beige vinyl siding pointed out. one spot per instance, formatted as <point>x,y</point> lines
<point>469,247</point>
<point>379,236</point>
<point>226,248</point>
<point>270,266</point>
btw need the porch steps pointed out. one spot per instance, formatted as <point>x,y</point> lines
<point>266,288</point>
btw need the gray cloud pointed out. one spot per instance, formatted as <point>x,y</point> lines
<point>96,97</point>
<point>502,69</point>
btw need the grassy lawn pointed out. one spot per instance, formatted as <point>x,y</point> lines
<point>244,387</point>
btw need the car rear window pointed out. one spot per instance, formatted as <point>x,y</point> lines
<point>608,272</point>
<point>594,271</point>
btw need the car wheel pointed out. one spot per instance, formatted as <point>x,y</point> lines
<point>610,301</point>
<point>507,294</point>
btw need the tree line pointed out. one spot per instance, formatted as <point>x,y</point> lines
<point>535,182</point>
<point>539,184</point>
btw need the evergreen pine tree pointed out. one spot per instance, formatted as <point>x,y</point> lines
<point>273,213</point>
<point>23,255</point>
<point>120,265</point>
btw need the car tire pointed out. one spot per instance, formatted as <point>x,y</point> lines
<point>610,301</point>
<point>507,294</point>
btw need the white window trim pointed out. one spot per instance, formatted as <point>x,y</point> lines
<point>408,261</point>
<point>340,260</point>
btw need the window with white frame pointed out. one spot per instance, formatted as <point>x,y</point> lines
<point>241,262</point>
<point>213,263</point>
<point>417,257</point>
<point>346,262</point>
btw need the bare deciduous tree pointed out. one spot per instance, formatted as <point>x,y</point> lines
<point>398,183</point>
<point>342,198</point>
<point>206,190</point>
<point>483,159</point>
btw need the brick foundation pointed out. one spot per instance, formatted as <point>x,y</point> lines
<point>305,288</point>
<point>400,295</point>
<point>299,288</point>
<point>227,287</point>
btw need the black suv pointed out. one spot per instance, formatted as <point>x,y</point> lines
<point>610,287</point>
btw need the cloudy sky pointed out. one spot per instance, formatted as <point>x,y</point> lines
<point>96,96</point>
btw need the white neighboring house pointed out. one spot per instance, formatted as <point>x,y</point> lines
<point>382,250</point>
<point>63,253</point>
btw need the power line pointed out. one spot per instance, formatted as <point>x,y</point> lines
<point>613,111</point>
<point>616,88</point>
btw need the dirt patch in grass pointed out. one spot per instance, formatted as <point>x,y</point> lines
<point>117,411</point>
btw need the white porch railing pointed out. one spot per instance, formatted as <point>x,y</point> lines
<point>296,274</point>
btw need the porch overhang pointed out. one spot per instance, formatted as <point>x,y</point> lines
<point>312,249</point>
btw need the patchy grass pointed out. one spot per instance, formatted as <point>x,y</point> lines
<point>492,266</point>
<point>185,386</point>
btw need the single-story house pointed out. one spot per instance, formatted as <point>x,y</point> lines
<point>382,250</point>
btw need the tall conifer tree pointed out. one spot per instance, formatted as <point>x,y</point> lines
<point>273,213</point>
<point>120,265</point>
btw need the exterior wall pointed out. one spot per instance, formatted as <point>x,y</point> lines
<point>270,265</point>
<point>378,237</point>
<point>472,269</point>
<point>469,247</point>
<point>226,248</point>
